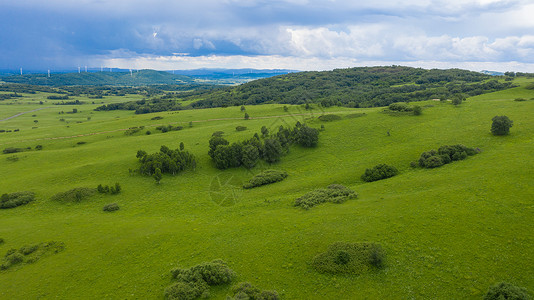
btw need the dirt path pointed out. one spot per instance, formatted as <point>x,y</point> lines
<point>24,112</point>
<point>155,125</point>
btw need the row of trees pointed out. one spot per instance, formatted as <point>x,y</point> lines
<point>165,161</point>
<point>269,147</point>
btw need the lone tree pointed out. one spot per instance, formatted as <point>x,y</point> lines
<point>247,116</point>
<point>157,175</point>
<point>501,125</point>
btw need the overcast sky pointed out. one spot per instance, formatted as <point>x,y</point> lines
<point>291,34</point>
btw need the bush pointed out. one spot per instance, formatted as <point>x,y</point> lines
<point>501,125</point>
<point>111,207</point>
<point>400,106</point>
<point>1,241</point>
<point>16,199</point>
<point>347,258</point>
<point>39,147</point>
<point>329,118</point>
<point>240,128</point>
<point>195,281</point>
<point>505,290</point>
<point>445,155</point>
<point>520,99</point>
<point>30,253</point>
<point>417,110</point>
<point>378,172</point>
<point>187,290</point>
<point>245,290</point>
<point>334,193</point>
<point>75,195</point>
<point>265,177</point>
<point>10,150</point>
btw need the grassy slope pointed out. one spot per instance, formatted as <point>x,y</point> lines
<point>449,232</point>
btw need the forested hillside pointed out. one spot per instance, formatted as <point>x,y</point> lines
<point>357,87</point>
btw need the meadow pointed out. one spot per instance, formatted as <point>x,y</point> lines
<point>448,233</point>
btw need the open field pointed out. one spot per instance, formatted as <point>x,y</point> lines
<point>448,233</point>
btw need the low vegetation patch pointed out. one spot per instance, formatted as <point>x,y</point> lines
<point>30,254</point>
<point>445,154</point>
<point>245,290</point>
<point>16,199</point>
<point>75,195</point>
<point>329,118</point>
<point>505,290</point>
<point>133,130</point>
<point>194,282</point>
<point>111,207</point>
<point>355,115</point>
<point>167,128</point>
<point>400,106</point>
<point>265,177</point>
<point>349,258</point>
<point>334,193</point>
<point>1,241</point>
<point>240,128</point>
<point>378,172</point>
<point>11,150</point>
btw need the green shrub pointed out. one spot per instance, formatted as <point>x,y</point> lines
<point>245,290</point>
<point>334,193</point>
<point>187,290</point>
<point>1,241</point>
<point>378,172</point>
<point>195,281</point>
<point>520,99</point>
<point>265,177</point>
<point>16,199</point>
<point>445,155</point>
<point>503,290</point>
<point>10,150</point>
<point>30,254</point>
<point>111,207</point>
<point>347,258</point>
<point>240,128</point>
<point>329,118</point>
<point>400,106</point>
<point>75,195</point>
<point>417,110</point>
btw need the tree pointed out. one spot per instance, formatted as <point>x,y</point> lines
<point>157,175</point>
<point>457,99</point>
<point>272,150</point>
<point>247,116</point>
<point>214,142</point>
<point>307,136</point>
<point>506,290</point>
<point>501,125</point>
<point>182,146</point>
<point>243,108</point>
<point>264,131</point>
<point>250,156</point>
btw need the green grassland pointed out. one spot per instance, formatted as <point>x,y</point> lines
<point>448,233</point>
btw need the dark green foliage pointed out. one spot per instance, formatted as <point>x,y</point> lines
<point>347,258</point>
<point>166,160</point>
<point>156,118</point>
<point>10,150</point>
<point>133,130</point>
<point>74,195</point>
<point>506,291</point>
<point>195,281</point>
<point>30,254</point>
<point>214,142</point>
<point>16,199</point>
<point>520,99</point>
<point>501,125</point>
<point>247,116</point>
<point>111,207</point>
<point>105,189</point>
<point>400,106</point>
<point>265,177</point>
<point>306,136</point>
<point>445,155</point>
<point>264,131</point>
<point>245,290</point>
<point>378,172</point>
<point>157,175</point>
<point>329,118</point>
<point>187,290</point>
<point>240,128</point>
<point>39,147</point>
<point>167,128</point>
<point>417,110</point>
<point>250,156</point>
<point>272,150</point>
<point>1,241</point>
<point>334,193</point>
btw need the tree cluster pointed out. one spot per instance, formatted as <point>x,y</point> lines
<point>245,290</point>
<point>270,148</point>
<point>166,161</point>
<point>106,189</point>
<point>445,154</point>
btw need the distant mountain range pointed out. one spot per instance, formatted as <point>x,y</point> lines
<point>140,77</point>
